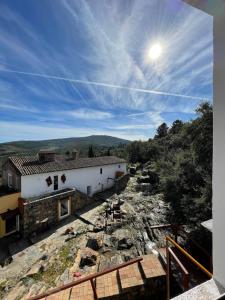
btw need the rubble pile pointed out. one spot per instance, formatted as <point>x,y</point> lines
<point>115,231</point>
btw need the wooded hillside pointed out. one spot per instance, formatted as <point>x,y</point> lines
<point>181,158</point>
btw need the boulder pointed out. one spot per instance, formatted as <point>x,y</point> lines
<point>146,187</point>
<point>88,257</point>
<point>143,179</point>
<point>65,277</point>
<point>94,243</point>
<point>107,240</point>
<point>133,170</point>
<point>68,230</point>
<point>71,236</point>
<point>124,243</point>
<point>37,268</point>
<point>98,227</point>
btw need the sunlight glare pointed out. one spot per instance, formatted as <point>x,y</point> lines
<point>155,51</point>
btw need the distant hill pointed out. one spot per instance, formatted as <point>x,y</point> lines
<point>61,145</point>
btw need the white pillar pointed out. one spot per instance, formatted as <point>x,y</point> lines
<point>219,150</point>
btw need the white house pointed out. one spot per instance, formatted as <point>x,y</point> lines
<point>49,187</point>
<point>45,173</point>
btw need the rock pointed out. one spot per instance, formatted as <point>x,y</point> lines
<point>7,261</point>
<point>146,187</point>
<point>65,277</point>
<point>98,228</point>
<point>17,292</point>
<point>90,227</point>
<point>34,290</point>
<point>132,170</point>
<point>88,257</point>
<point>71,236</point>
<point>68,230</point>
<point>37,268</point>
<point>94,243</point>
<point>44,257</point>
<point>124,243</point>
<point>143,179</point>
<point>149,246</point>
<point>107,240</point>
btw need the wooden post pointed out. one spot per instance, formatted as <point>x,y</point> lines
<point>93,288</point>
<point>186,278</point>
<point>168,269</point>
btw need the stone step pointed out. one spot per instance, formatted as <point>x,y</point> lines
<point>82,291</point>
<point>152,267</point>
<point>63,295</point>
<point>108,285</point>
<point>130,278</point>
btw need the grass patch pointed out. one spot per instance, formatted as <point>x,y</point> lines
<point>63,261</point>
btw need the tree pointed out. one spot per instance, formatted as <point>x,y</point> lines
<point>176,127</point>
<point>91,152</point>
<point>162,131</point>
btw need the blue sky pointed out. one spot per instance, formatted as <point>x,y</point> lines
<point>77,68</point>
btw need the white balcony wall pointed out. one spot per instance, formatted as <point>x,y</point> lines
<point>219,149</point>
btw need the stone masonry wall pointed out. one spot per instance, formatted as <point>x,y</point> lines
<point>79,200</point>
<point>36,211</point>
<point>121,183</point>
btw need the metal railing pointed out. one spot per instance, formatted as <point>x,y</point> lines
<point>188,256</point>
<point>91,278</point>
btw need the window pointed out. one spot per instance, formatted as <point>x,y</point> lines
<point>55,182</point>
<point>9,180</point>
<point>88,190</point>
<point>64,208</point>
<point>119,166</point>
<point>17,182</point>
<point>100,170</point>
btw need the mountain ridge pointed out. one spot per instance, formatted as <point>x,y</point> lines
<point>61,144</point>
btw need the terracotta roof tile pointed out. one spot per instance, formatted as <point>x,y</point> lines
<point>29,165</point>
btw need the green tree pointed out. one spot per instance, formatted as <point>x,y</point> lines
<point>91,151</point>
<point>162,131</point>
<point>176,127</point>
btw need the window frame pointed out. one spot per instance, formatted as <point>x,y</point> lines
<point>10,179</point>
<point>60,211</point>
<point>56,182</point>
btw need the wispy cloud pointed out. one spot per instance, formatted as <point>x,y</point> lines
<point>102,84</point>
<point>20,131</point>
<point>99,70</point>
<point>92,114</point>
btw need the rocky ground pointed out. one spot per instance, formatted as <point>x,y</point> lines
<point>106,234</point>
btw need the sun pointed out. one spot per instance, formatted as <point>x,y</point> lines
<point>155,51</point>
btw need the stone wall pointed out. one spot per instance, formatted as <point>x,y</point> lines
<point>39,214</point>
<point>79,200</point>
<point>121,183</point>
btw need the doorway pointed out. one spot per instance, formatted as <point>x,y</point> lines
<point>11,224</point>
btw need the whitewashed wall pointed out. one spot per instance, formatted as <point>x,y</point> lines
<point>217,9</point>
<point>35,185</point>
<point>219,148</point>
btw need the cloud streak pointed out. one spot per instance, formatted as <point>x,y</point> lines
<point>102,84</point>
<point>98,74</point>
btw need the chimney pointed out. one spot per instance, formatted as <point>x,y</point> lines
<point>75,154</point>
<point>46,155</point>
